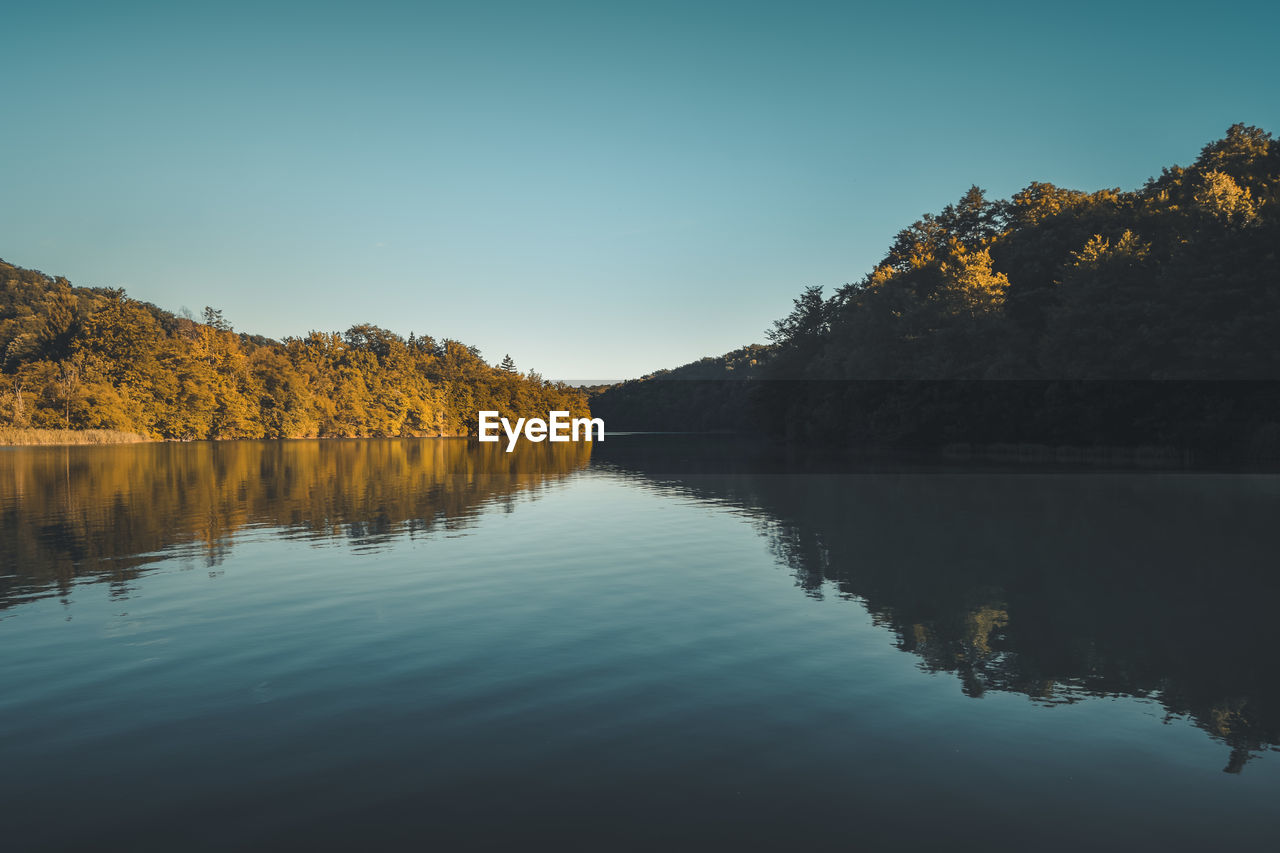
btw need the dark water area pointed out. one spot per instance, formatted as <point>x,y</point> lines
<point>1202,420</point>
<point>679,641</point>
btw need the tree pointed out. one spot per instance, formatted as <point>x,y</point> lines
<point>1221,197</point>
<point>69,385</point>
<point>808,319</point>
<point>213,317</point>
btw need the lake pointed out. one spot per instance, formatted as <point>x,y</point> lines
<point>681,641</point>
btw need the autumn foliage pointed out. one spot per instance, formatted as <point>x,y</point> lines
<point>87,358</point>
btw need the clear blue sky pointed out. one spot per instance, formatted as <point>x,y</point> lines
<point>600,189</point>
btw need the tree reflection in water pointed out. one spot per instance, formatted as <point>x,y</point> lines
<point>70,514</point>
<point>1057,585</point>
<point>1060,585</point>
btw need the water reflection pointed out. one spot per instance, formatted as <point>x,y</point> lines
<point>71,514</point>
<point>1058,585</point>
<point>1052,585</point>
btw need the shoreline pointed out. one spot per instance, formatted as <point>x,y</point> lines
<point>34,437</point>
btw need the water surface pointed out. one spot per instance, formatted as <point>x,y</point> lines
<point>658,640</point>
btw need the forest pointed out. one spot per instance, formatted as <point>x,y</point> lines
<point>93,359</point>
<point>1148,316</point>
<point>1144,316</point>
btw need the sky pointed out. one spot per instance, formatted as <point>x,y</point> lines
<point>598,189</point>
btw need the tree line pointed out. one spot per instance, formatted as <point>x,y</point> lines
<point>711,394</point>
<point>1055,315</point>
<point>93,358</point>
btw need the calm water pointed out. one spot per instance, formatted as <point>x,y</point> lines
<point>655,641</point>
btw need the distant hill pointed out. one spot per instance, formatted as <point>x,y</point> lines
<point>92,358</point>
<point>705,395</point>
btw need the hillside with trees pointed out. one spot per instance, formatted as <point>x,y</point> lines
<point>92,358</point>
<point>707,395</point>
<point>1062,316</point>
